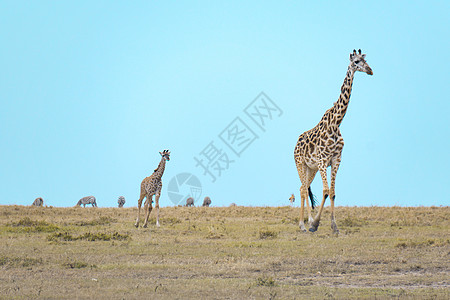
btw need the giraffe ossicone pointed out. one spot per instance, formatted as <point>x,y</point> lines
<point>321,147</point>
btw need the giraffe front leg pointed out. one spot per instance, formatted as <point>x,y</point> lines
<point>302,171</point>
<point>334,168</point>
<point>333,220</point>
<point>303,198</point>
<point>326,192</point>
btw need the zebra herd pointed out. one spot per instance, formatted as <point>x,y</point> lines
<point>120,201</point>
<point>83,201</point>
<point>206,201</point>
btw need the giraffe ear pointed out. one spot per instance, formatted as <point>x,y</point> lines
<point>161,153</point>
<point>359,51</point>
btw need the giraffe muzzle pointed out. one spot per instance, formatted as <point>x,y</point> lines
<point>369,71</point>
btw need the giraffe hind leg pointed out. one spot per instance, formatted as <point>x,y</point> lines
<point>312,198</point>
<point>139,209</point>
<point>310,174</point>
<point>148,209</point>
<point>326,191</point>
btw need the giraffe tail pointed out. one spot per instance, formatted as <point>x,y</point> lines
<point>312,198</point>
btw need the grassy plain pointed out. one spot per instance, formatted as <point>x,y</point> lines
<point>224,253</point>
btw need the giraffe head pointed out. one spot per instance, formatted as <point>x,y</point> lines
<point>165,154</point>
<point>358,62</point>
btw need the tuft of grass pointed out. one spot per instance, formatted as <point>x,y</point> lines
<point>265,281</point>
<point>28,225</point>
<point>99,236</point>
<point>164,221</point>
<point>103,236</point>
<point>78,265</point>
<point>421,244</point>
<point>19,261</point>
<point>60,236</point>
<point>215,232</point>
<point>99,221</point>
<point>267,234</point>
<point>25,222</point>
<point>353,222</point>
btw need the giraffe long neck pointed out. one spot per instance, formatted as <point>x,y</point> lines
<point>160,169</point>
<point>335,115</point>
<point>340,107</point>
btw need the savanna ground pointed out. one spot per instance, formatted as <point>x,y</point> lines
<point>224,253</point>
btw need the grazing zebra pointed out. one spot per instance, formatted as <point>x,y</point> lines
<point>87,200</point>
<point>38,202</point>
<point>190,201</point>
<point>207,201</point>
<point>233,204</point>
<point>121,201</point>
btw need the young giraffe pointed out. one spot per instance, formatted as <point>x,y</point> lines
<point>321,147</point>
<point>152,186</point>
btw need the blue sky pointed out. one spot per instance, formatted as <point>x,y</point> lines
<point>91,91</point>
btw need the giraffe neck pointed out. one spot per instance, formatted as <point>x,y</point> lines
<point>335,115</point>
<point>160,169</point>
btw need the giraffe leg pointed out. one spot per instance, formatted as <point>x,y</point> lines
<point>157,209</point>
<point>310,174</point>
<point>158,194</point>
<point>148,209</point>
<point>139,209</point>
<point>303,197</point>
<point>301,168</point>
<point>323,174</point>
<point>334,168</point>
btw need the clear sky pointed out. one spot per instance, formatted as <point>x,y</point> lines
<point>91,91</point>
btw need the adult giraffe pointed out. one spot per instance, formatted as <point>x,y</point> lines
<point>321,147</point>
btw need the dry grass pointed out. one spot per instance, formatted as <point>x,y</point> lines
<point>233,252</point>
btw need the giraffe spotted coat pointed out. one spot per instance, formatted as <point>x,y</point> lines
<point>321,147</point>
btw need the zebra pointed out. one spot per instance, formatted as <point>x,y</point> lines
<point>121,201</point>
<point>207,201</point>
<point>38,202</point>
<point>190,201</point>
<point>87,200</point>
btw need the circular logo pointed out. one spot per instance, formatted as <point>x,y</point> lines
<point>183,186</point>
